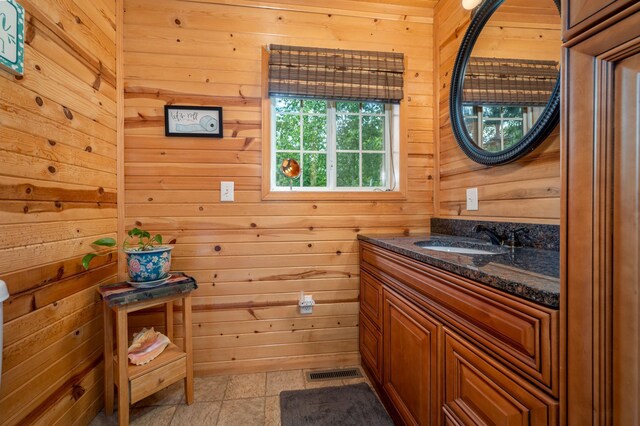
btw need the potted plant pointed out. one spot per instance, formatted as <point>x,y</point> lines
<point>147,259</point>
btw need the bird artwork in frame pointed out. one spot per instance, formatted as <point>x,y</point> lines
<point>193,121</point>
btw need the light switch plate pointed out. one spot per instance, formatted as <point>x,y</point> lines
<point>472,198</point>
<point>226,191</point>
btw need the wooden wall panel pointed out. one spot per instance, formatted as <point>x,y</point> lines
<point>527,190</point>
<point>252,257</point>
<point>57,194</point>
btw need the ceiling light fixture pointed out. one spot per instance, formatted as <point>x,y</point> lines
<point>471,4</point>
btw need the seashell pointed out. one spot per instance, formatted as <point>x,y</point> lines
<point>147,345</point>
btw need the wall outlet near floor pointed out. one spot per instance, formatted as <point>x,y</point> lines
<point>226,191</point>
<point>472,198</point>
<point>305,303</point>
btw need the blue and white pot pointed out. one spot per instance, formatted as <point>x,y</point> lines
<point>149,265</point>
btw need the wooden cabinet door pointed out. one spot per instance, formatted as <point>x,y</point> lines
<point>582,15</point>
<point>410,341</point>
<point>371,298</point>
<point>478,393</point>
<point>371,347</point>
<point>601,259</point>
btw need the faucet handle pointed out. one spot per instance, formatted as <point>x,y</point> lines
<point>513,239</point>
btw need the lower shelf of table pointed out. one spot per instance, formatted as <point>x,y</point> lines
<point>144,380</point>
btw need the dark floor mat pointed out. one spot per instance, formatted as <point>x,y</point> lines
<point>351,405</point>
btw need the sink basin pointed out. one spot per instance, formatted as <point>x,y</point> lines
<point>460,249</point>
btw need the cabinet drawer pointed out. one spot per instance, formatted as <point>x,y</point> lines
<point>157,379</point>
<point>371,347</point>
<point>522,334</point>
<point>477,392</point>
<point>371,298</point>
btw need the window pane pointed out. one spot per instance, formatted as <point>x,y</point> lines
<point>373,108</point>
<point>512,112</point>
<point>373,133</point>
<point>468,110</point>
<point>315,133</point>
<point>287,105</point>
<point>314,170</point>
<point>373,170</point>
<point>472,128</point>
<point>348,169</point>
<point>348,106</point>
<point>512,132</point>
<point>491,135</point>
<point>488,111</point>
<point>347,132</point>
<point>282,180</point>
<point>316,107</point>
<point>287,132</point>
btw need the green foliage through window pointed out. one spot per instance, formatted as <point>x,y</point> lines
<point>338,144</point>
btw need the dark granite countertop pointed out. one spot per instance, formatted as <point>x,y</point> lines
<point>530,273</point>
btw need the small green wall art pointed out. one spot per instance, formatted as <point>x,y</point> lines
<point>193,121</point>
<point>12,36</point>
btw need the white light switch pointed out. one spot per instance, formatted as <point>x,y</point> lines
<point>226,191</point>
<point>472,198</point>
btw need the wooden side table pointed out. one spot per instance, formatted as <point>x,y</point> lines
<point>170,366</point>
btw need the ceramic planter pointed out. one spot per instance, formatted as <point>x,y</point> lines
<point>149,265</point>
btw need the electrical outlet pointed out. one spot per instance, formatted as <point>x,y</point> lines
<point>472,198</point>
<point>226,191</point>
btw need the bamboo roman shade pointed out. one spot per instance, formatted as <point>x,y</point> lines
<point>310,72</point>
<point>495,81</point>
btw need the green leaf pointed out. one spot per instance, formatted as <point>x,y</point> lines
<point>86,259</point>
<point>145,234</point>
<point>106,242</point>
<point>135,232</point>
<point>158,238</point>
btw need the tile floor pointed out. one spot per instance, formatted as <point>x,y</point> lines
<point>242,400</point>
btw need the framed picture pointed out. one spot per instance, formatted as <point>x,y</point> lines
<point>193,121</point>
<point>12,37</point>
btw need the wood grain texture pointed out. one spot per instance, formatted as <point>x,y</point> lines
<point>601,241</point>
<point>528,189</point>
<point>58,193</point>
<point>252,257</point>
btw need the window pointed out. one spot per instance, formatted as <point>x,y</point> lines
<point>340,145</point>
<point>337,114</point>
<point>496,128</point>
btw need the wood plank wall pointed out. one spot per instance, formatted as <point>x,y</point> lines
<point>57,194</point>
<point>527,190</point>
<point>252,257</point>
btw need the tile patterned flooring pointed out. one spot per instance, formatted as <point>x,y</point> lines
<point>238,400</point>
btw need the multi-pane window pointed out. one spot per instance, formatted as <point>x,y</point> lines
<point>339,145</point>
<point>496,128</point>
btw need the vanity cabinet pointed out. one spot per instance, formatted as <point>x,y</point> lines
<point>601,230</point>
<point>454,351</point>
<point>582,15</point>
<point>409,374</point>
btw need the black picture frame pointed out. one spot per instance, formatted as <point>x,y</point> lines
<point>542,128</point>
<point>192,121</point>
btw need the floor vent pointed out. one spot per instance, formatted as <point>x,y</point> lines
<point>346,373</point>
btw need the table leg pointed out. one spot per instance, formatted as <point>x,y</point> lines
<point>188,347</point>
<point>107,318</point>
<point>168,319</point>
<point>123,362</point>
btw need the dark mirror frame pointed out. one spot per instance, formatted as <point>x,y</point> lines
<point>533,138</point>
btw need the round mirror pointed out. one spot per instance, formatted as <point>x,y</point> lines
<point>505,87</point>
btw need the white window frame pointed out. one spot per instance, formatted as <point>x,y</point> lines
<point>391,151</point>
<point>529,116</point>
